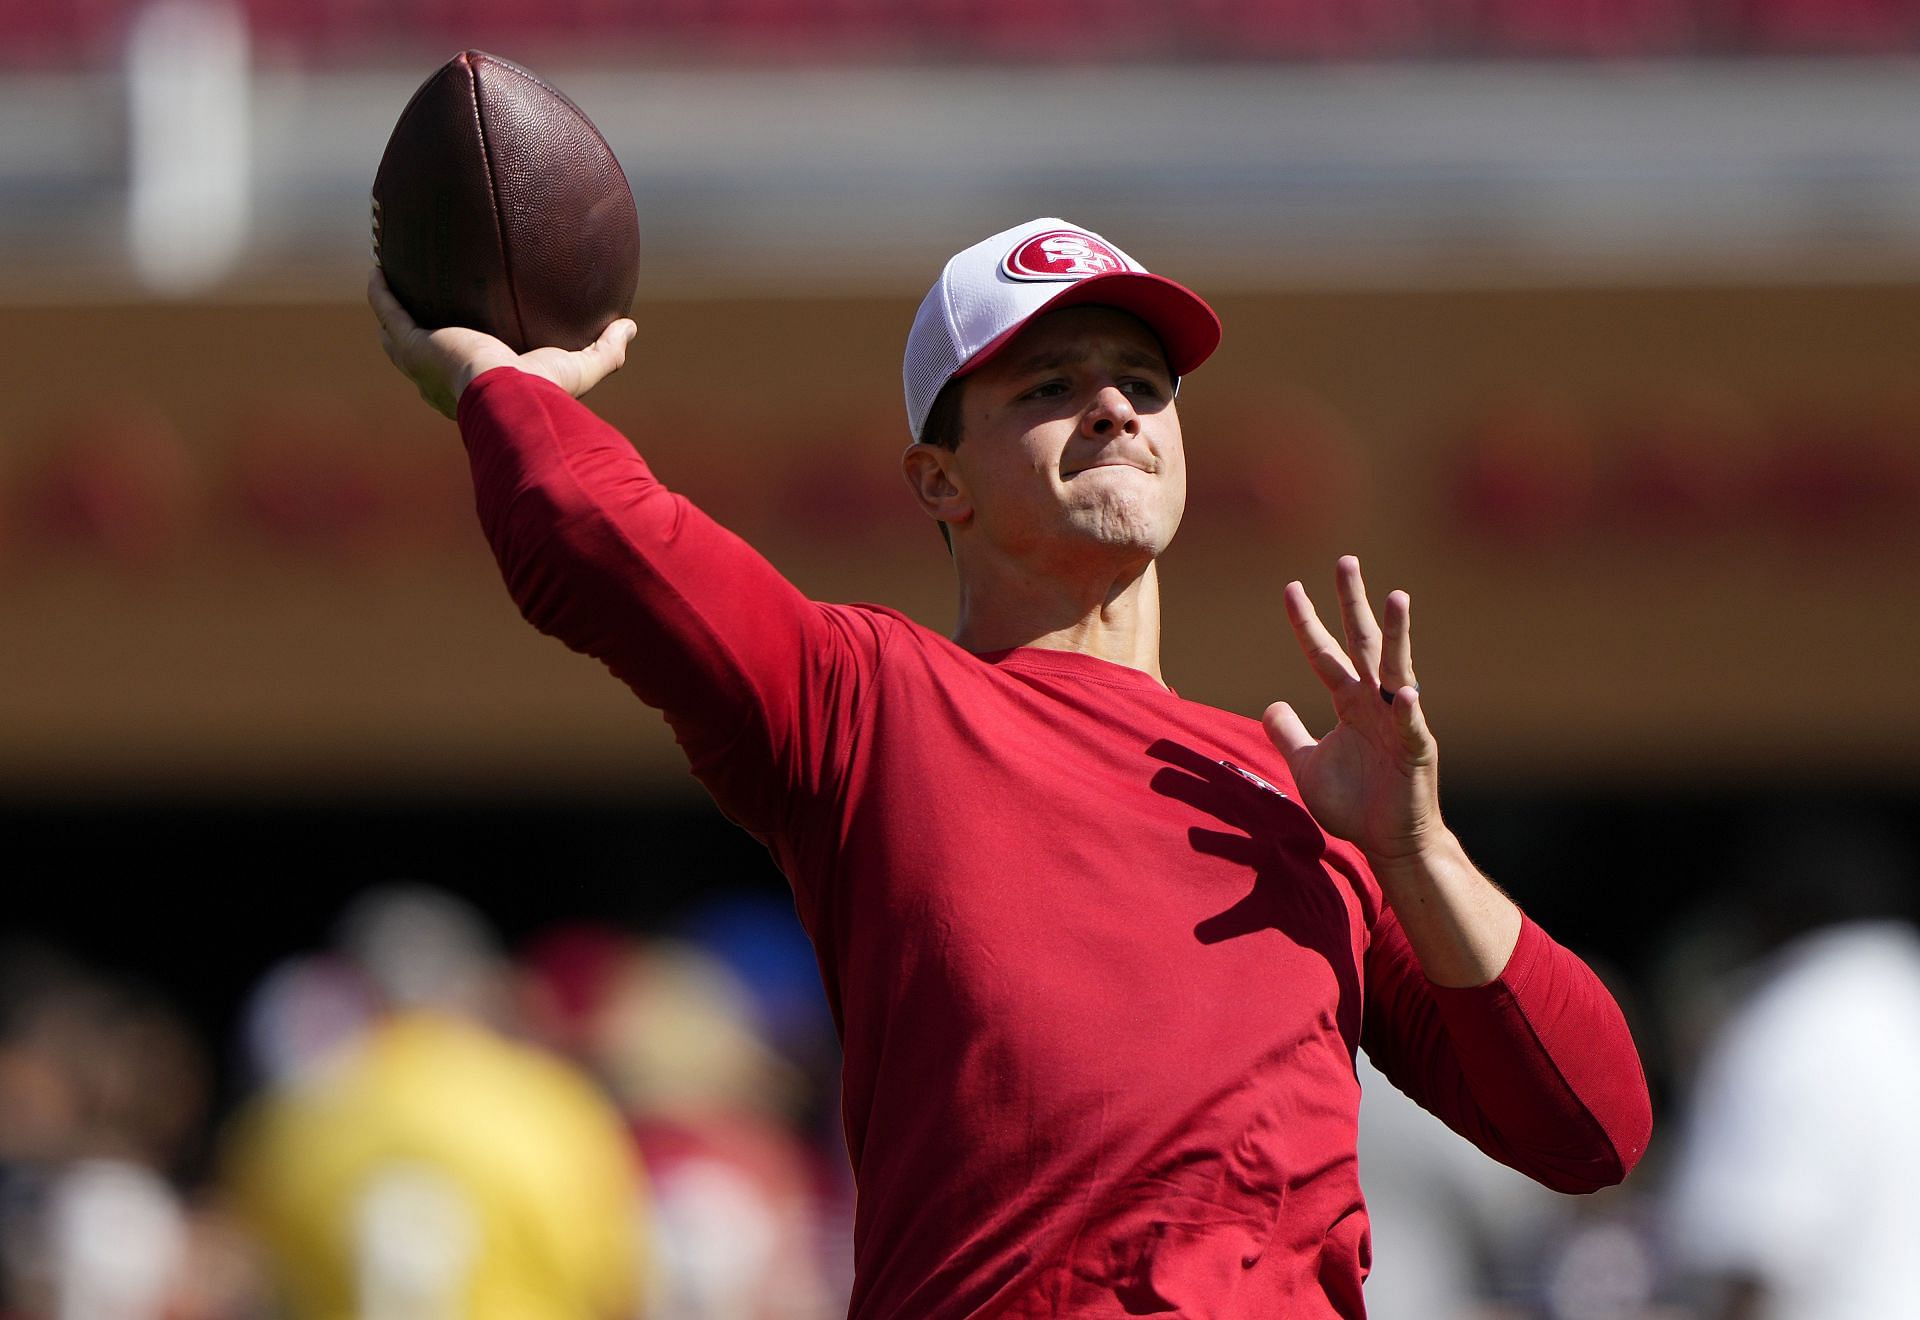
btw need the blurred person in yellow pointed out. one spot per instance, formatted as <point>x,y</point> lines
<point>433,1167</point>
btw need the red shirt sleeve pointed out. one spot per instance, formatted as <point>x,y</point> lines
<point>757,681</point>
<point>1537,1068</point>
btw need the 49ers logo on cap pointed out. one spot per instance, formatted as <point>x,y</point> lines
<point>1061,254</point>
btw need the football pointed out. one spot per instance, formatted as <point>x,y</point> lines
<point>499,206</point>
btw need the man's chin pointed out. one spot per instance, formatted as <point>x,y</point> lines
<point>1127,523</point>
<point>1131,537</point>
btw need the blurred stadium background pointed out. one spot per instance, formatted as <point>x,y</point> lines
<point>1591,322</point>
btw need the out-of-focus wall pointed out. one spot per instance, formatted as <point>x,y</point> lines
<point>1607,360</point>
<point>1656,532</point>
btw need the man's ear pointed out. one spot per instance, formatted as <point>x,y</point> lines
<point>930,475</point>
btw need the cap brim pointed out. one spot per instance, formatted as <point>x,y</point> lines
<point>1188,329</point>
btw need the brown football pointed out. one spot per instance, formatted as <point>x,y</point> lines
<point>500,207</point>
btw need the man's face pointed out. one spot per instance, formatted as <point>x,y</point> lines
<point>1070,440</point>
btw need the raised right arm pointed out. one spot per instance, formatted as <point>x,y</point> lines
<point>759,683</point>
<point>596,552</point>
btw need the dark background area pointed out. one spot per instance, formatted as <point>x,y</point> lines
<point>196,898</point>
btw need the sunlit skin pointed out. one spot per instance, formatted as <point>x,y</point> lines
<point>1068,483</point>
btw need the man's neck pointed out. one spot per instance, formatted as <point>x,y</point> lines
<point>1114,617</point>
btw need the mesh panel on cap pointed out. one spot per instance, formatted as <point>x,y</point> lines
<point>932,356</point>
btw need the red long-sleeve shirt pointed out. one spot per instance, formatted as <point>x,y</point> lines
<point>1098,974</point>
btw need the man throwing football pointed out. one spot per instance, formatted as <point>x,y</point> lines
<point>1100,956</point>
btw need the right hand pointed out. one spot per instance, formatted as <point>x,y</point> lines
<point>442,363</point>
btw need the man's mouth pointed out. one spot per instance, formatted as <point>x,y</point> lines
<point>1143,466</point>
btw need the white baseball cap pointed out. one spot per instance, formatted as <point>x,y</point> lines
<point>987,292</point>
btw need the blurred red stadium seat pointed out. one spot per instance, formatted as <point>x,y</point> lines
<point>87,33</point>
<point>1597,29</point>
<point>68,33</point>
<point>1813,27</point>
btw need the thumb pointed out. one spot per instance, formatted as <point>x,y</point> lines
<point>579,370</point>
<point>1288,734</point>
<point>607,354</point>
<point>617,336</point>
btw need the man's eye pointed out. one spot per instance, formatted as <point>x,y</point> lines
<point>1051,390</point>
<point>1146,389</point>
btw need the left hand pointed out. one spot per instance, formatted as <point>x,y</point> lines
<point>1374,779</point>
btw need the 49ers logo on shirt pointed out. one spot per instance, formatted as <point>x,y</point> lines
<point>1061,254</point>
<point>1249,776</point>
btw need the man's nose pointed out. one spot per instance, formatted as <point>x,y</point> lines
<point>1110,411</point>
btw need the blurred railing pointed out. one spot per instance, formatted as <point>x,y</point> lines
<point>225,147</point>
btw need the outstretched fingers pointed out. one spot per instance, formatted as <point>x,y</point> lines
<point>1397,682</point>
<point>1410,723</point>
<point>1396,654</point>
<point>1363,631</point>
<point>1329,661</point>
<point>1377,661</point>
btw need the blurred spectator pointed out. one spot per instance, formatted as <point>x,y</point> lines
<point>303,1012</point>
<point>1793,1196</point>
<point>430,1167</point>
<point>760,939</point>
<point>675,1032</point>
<point>1451,1228</point>
<point>102,1089</point>
<point>1604,1264</point>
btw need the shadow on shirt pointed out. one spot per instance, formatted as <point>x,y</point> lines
<point>1273,835</point>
